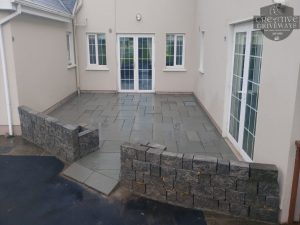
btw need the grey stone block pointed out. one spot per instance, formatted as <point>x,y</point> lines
<point>127,174</point>
<point>264,214</point>
<point>201,190</point>
<point>202,202</point>
<point>126,163</point>
<point>239,169</point>
<point>272,202</point>
<point>141,152</point>
<point>219,194</point>
<point>154,156</point>
<point>171,196</point>
<point>167,171</point>
<point>268,188</point>
<point>156,192</point>
<point>140,166</point>
<point>249,187</point>
<point>223,181</point>
<point>154,181</point>
<point>187,161</point>
<point>239,210</point>
<point>224,207</point>
<point>187,176</point>
<point>139,187</point>
<point>253,199</point>
<point>185,199</point>
<point>205,164</point>
<point>263,172</point>
<point>155,170</point>
<point>128,151</point>
<point>169,182</point>
<point>223,167</point>
<point>182,187</point>
<point>139,177</point>
<point>126,183</point>
<point>235,196</point>
<point>204,179</point>
<point>157,146</point>
<point>170,159</point>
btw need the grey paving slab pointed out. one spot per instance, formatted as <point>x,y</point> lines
<point>111,146</point>
<point>114,174</point>
<point>78,172</point>
<point>101,161</point>
<point>192,136</point>
<point>101,183</point>
<point>177,121</point>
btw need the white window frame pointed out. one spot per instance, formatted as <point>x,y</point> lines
<point>95,66</point>
<point>176,67</point>
<point>70,50</point>
<point>202,52</point>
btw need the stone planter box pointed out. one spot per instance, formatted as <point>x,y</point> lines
<point>66,141</point>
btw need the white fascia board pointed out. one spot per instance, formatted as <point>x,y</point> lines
<point>42,11</point>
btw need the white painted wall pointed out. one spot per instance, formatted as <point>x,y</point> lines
<point>280,72</point>
<point>159,18</point>
<point>40,53</point>
<point>11,80</point>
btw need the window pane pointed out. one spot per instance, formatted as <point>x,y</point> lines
<point>101,49</point>
<point>68,48</point>
<point>179,50</point>
<point>170,50</point>
<point>92,48</point>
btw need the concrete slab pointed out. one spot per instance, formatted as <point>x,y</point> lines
<point>78,172</point>
<point>101,183</point>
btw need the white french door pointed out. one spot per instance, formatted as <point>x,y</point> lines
<point>136,63</point>
<point>247,59</point>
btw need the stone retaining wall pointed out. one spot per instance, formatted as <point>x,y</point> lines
<point>195,181</point>
<point>66,141</point>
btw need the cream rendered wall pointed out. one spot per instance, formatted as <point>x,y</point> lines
<point>40,53</point>
<point>280,72</point>
<point>159,18</point>
<point>10,64</point>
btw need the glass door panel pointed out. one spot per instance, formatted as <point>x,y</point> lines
<point>145,63</point>
<point>237,84</point>
<point>127,63</point>
<point>252,92</point>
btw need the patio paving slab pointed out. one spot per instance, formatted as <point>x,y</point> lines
<point>176,121</point>
<point>101,183</point>
<point>78,172</point>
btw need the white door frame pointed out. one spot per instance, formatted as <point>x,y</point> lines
<point>248,28</point>
<point>136,67</point>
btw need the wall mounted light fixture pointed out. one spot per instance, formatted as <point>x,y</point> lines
<point>139,17</point>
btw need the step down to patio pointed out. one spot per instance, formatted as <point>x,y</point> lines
<point>99,170</point>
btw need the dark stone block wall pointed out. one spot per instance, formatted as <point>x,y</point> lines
<point>237,188</point>
<point>66,141</point>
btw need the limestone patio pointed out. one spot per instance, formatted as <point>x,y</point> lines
<point>176,121</point>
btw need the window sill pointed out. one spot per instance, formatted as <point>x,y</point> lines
<point>174,70</point>
<point>97,68</point>
<point>71,66</point>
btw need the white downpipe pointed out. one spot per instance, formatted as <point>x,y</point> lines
<point>4,69</point>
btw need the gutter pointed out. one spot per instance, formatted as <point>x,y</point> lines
<point>4,67</point>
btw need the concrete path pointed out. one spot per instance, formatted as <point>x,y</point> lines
<point>176,121</point>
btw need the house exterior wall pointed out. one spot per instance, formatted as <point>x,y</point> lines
<point>40,53</point>
<point>172,16</point>
<point>10,64</point>
<point>279,77</point>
